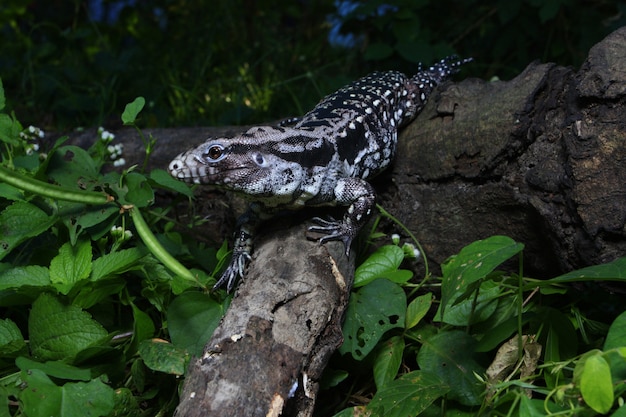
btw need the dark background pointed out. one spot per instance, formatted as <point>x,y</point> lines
<point>66,64</point>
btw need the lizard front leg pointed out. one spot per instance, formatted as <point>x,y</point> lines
<point>247,224</point>
<point>360,197</point>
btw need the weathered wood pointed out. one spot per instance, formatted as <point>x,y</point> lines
<point>540,158</point>
<point>268,353</point>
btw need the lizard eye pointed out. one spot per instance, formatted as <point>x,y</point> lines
<point>215,152</point>
<point>260,161</point>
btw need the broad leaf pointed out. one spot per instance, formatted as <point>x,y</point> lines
<point>408,395</point>
<point>449,355</point>
<point>383,263</point>
<point>417,310</point>
<point>11,339</point>
<point>165,180</point>
<point>387,361</point>
<point>132,109</point>
<point>58,331</point>
<point>473,263</point>
<point>163,356</point>
<point>116,263</point>
<point>71,265</point>
<point>615,270</point>
<point>616,336</point>
<point>57,369</point>
<point>20,221</point>
<point>21,276</point>
<point>192,317</point>
<point>42,397</point>
<point>596,385</point>
<point>372,310</point>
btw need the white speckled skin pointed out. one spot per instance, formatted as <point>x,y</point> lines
<point>322,158</point>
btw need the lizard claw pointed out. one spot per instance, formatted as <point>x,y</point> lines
<point>334,230</point>
<point>235,270</point>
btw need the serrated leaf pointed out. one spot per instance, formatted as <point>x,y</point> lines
<point>192,317</point>
<point>384,261</point>
<point>616,337</point>
<point>9,130</point>
<point>21,276</point>
<point>162,356</point>
<point>408,395</point>
<point>71,265</point>
<point>132,109</point>
<point>615,270</point>
<point>449,355</point>
<point>58,331</point>
<point>417,309</point>
<point>372,310</point>
<point>20,221</point>
<point>163,179</point>
<point>11,339</point>
<point>42,397</point>
<point>115,263</point>
<point>596,385</point>
<point>473,263</point>
<point>387,361</point>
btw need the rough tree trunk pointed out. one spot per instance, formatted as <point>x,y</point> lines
<point>540,158</point>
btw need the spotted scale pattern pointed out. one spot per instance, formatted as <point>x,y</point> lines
<point>321,158</point>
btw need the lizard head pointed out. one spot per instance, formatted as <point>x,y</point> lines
<point>246,163</point>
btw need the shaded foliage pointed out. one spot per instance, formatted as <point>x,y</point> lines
<point>228,62</point>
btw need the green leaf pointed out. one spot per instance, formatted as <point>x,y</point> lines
<point>139,193</point>
<point>473,310</point>
<point>11,339</point>
<point>596,385</point>
<point>115,263</point>
<point>380,264</point>
<point>3,101</point>
<point>20,221</point>
<point>615,270</point>
<point>372,310</point>
<point>71,265</point>
<point>417,309</point>
<point>616,337</point>
<point>143,325</point>
<point>58,331</point>
<point>73,167</point>
<point>162,356</point>
<point>163,179</point>
<point>57,369</point>
<point>22,276</point>
<point>10,130</point>
<point>473,263</point>
<point>132,110</point>
<point>79,217</point>
<point>408,395</point>
<point>192,317</point>
<point>42,397</point>
<point>449,355</point>
<point>387,361</point>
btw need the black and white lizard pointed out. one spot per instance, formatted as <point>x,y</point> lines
<point>321,159</point>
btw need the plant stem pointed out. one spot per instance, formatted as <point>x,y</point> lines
<point>52,191</point>
<point>157,249</point>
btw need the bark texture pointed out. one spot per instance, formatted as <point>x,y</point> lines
<point>540,158</point>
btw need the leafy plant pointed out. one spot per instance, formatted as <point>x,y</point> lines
<point>493,344</point>
<point>98,317</point>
